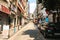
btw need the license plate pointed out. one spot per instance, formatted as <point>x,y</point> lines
<point>57,33</point>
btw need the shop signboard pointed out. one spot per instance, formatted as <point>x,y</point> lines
<point>5,32</point>
<point>6,10</point>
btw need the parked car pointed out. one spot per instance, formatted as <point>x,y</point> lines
<point>51,29</point>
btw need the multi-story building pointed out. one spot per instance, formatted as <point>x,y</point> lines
<point>35,13</point>
<point>18,13</point>
<point>19,9</point>
<point>12,12</point>
<point>4,13</point>
<point>22,5</point>
<point>38,8</point>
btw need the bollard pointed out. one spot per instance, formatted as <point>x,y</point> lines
<point>14,29</point>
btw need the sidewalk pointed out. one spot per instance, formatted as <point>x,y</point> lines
<point>28,32</point>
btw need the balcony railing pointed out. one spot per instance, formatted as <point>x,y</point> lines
<point>20,4</point>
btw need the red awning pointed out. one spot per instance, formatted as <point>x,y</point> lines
<point>4,9</point>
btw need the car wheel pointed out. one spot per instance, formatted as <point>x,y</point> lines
<point>53,35</point>
<point>45,35</point>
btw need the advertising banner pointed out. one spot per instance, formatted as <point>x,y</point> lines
<point>5,32</point>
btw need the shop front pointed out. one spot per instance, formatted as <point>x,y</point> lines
<point>4,17</point>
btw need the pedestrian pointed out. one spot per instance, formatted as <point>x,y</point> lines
<point>36,22</point>
<point>46,20</point>
<point>39,20</point>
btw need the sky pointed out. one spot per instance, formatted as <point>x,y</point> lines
<point>32,5</point>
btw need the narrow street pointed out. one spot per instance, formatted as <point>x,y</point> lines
<point>30,32</point>
<point>18,19</point>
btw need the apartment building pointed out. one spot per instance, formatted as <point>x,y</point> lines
<point>18,10</point>
<point>22,5</point>
<point>13,13</point>
<point>4,13</point>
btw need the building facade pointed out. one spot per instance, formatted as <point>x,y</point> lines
<point>4,13</point>
<point>13,13</point>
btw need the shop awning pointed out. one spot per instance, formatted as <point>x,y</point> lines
<point>4,9</point>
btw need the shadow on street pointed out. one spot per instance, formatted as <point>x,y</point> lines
<point>38,36</point>
<point>33,34</point>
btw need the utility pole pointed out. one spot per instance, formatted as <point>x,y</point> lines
<point>29,10</point>
<point>37,8</point>
<point>16,3</point>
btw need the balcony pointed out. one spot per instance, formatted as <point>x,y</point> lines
<point>20,4</point>
<point>21,7</point>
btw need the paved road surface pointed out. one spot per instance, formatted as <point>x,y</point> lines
<point>31,32</point>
